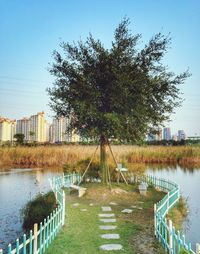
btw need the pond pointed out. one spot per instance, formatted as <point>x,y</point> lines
<point>17,187</point>
<point>189,181</point>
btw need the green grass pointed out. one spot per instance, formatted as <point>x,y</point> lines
<point>81,233</point>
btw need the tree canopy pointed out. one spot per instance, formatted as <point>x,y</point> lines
<point>19,138</point>
<point>123,92</point>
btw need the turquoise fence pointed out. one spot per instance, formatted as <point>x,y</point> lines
<point>172,240</point>
<point>43,234</point>
<point>41,237</point>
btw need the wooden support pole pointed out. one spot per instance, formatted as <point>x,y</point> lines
<point>88,166</point>
<point>116,162</point>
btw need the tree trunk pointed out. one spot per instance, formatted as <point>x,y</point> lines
<point>103,160</point>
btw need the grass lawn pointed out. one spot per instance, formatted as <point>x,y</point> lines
<point>81,233</point>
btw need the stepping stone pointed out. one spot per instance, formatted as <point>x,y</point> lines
<point>109,227</point>
<point>91,204</point>
<point>106,215</point>
<point>83,210</point>
<point>110,236</point>
<point>108,220</point>
<point>106,208</point>
<point>111,247</point>
<point>76,204</point>
<point>127,211</point>
<point>134,206</point>
<point>113,203</point>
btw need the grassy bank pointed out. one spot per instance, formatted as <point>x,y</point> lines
<point>81,233</point>
<point>57,156</point>
<point>38,209</point>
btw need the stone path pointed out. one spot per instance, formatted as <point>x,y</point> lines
<point>108,218</point>
<point>127,211</point>
<point>106,215</point>
<point>111,247</point>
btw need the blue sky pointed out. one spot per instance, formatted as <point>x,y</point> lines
<point>31,30</point>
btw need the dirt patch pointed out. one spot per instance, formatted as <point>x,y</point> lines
<point>105,195</point>
<point>145,243</point>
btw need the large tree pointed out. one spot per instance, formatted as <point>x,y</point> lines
<point>121,93</point>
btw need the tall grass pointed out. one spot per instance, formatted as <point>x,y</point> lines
<point>57,156</point>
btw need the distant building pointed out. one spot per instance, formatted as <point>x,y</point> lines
<point>174,137</point>
<point>194,137</point>
<point>151,137</point>
<point>59,131</point>
<point>47,132</point>
<point>159,135</point>
<point>51,133</point>
<point>7,129</point>
<point>13,129</point>
<point>167,133</point>
<point>60,126</point>
<point>23,126</point>
<point>155,137</point>
<point>181,135</point>
<point>38,127</point>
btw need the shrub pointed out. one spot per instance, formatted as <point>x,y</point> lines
<point>36,210</point>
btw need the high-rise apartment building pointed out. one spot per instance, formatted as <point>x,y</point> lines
<point>7,129</point>
<point>155,137</point>
<point>181,135</point>
<point>13,126</point>
<point>47,127</point>
<point>51,134</point>
<point>167,134</point>
<point>23,126</point>
<point>59,132</point>
<point>38,127</point>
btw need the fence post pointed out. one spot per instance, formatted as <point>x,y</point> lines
<point>24,244</point>
<point>170,237</point>
<point>9,248</point>
<point>155,220</point>
<point>63,209</point>
<point>167,202</point>
<point>197,248</point>
<point>35,232</point>
<point>63,179</point>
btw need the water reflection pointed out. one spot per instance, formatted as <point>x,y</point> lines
<point>189,181</point>
<point>17,187</point>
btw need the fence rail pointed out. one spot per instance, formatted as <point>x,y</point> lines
<point>172,240</point>
<point>43,234</point>
<point>41,237</point>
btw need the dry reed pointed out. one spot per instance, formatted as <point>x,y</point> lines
<point>57,156</point>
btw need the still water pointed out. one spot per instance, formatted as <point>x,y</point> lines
<point>17,187</point>
<point>189,181</point>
